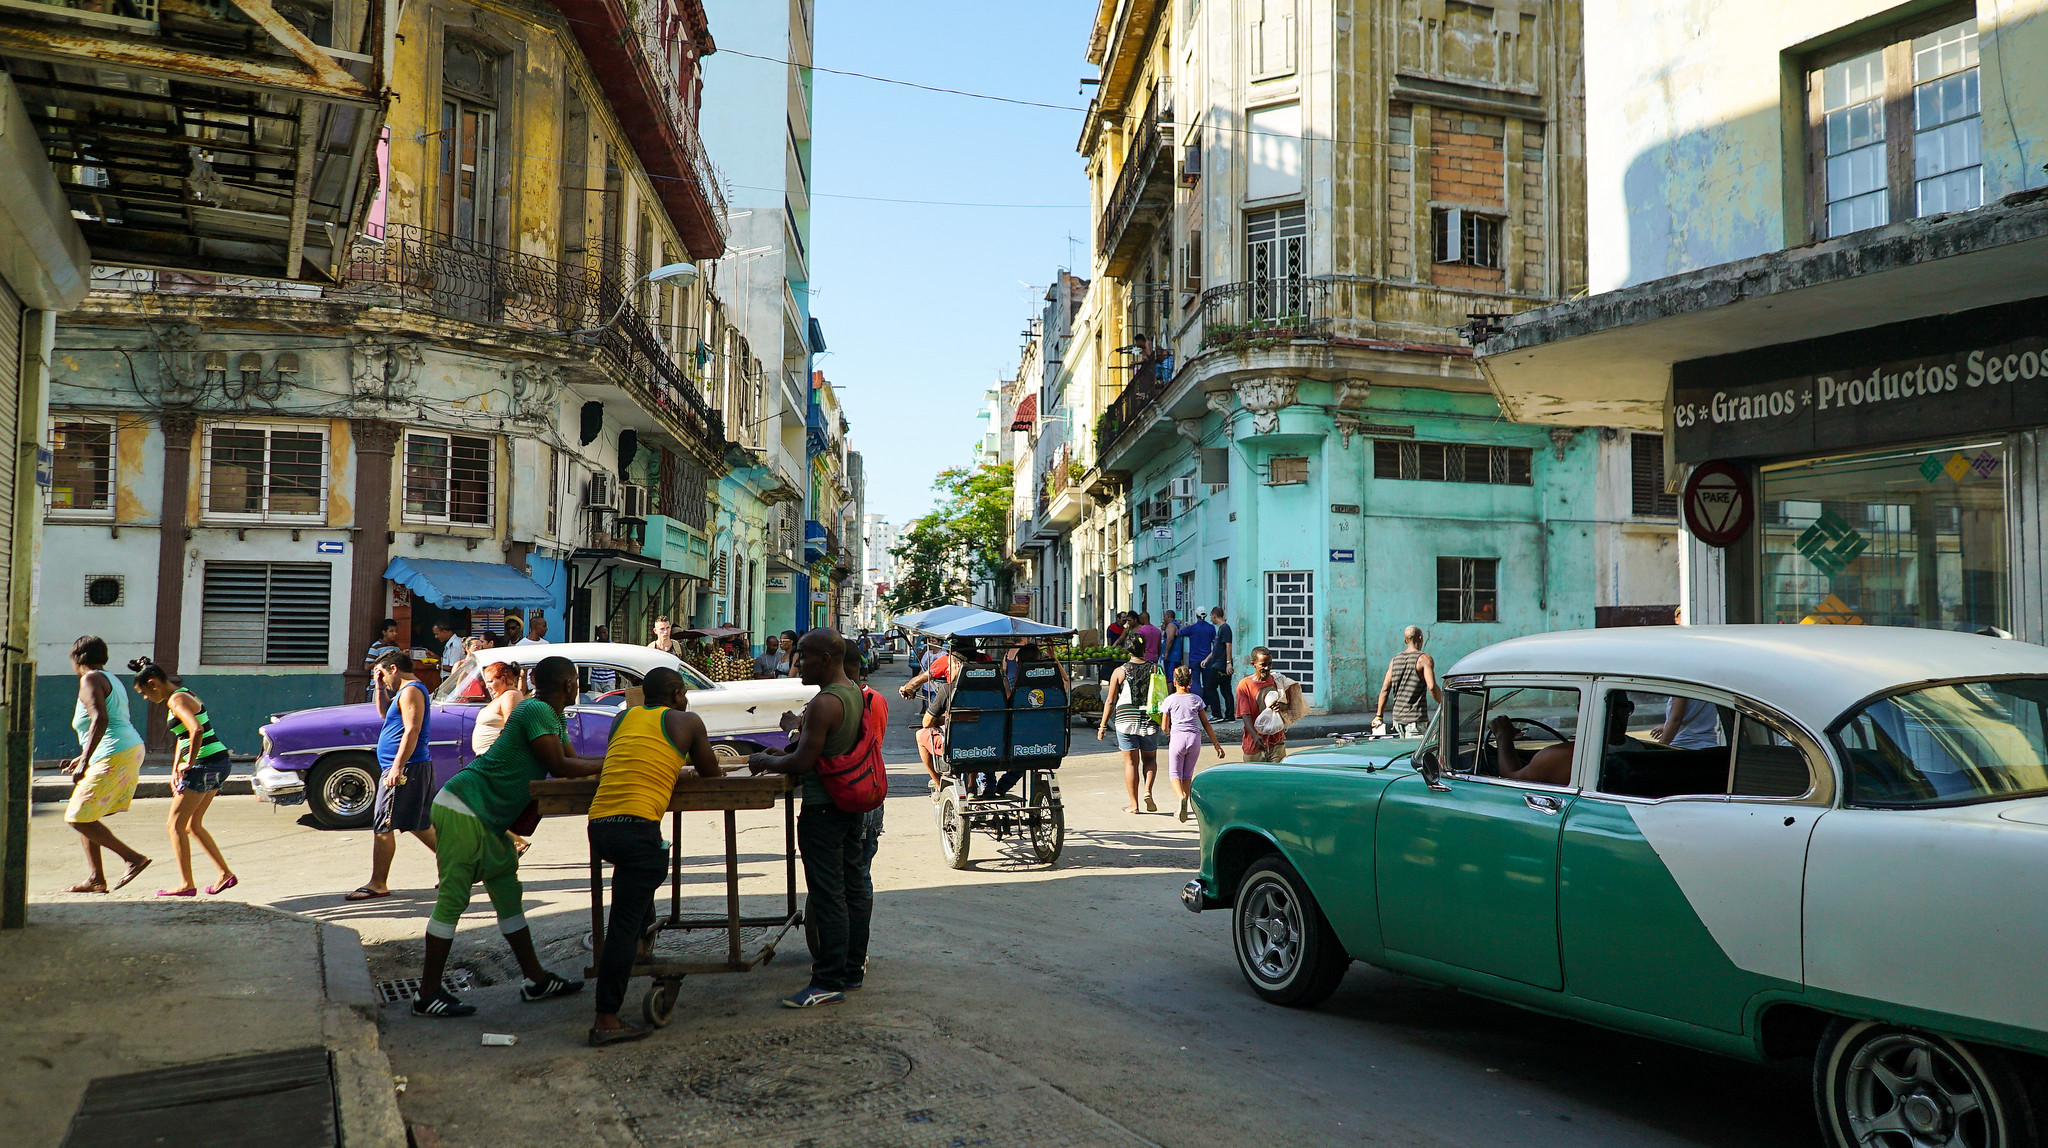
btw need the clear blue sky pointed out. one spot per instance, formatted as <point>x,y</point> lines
<point>923,306</point>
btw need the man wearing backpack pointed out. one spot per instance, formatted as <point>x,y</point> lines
<point>832,839</point>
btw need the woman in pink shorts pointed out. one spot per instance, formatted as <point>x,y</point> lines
<point>1187,719</point>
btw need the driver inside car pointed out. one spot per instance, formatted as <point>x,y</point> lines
<point>1551,765</point>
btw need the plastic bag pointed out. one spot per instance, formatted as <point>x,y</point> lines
<point>1156,697</point>
<point>1269,723</point>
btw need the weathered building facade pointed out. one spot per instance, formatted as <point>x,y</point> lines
<point>1819,246</point>
<point>1300,204</point>
<point>491,375</point>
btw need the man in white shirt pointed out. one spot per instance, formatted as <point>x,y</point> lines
<point>451,646</point>
<point>538,636</point>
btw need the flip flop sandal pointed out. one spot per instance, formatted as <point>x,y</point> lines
<point>177,892</point>
<point>88,887</point>
<point>365,893</point>
<point>133,872</point>
<point>223,885</point>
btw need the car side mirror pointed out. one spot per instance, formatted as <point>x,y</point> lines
<point>1431,768</point>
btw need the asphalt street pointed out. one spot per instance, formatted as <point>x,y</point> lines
<point>1009,1003</point>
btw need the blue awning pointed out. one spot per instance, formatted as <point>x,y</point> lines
<point>455,585</point>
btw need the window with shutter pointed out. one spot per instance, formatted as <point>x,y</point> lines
<point>1453,462</point>
<point>1646,478</point>
<point>256,472</point>
<point>265,613</point>
<point>449,478</point>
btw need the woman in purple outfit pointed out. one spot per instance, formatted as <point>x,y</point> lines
<point>1187,718</point>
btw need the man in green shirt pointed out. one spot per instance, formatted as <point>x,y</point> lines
<point>833,842</point>
<point>472,815</point>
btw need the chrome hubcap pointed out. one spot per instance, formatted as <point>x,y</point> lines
<point>1904,1091</point>
<point>1270,935</point>
<point>348,791</point>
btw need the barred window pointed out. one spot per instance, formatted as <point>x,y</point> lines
<point>448,478</point>
<point>265,473</point>
<point>1646,477</point>
<point>265,613</point>
<point>1452,462</point>
<point>1466,589</point>
<point>82,476</point>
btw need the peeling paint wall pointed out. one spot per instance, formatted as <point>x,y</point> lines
<point>1695,117</point>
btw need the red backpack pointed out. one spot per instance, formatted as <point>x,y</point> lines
<point>856,780</point>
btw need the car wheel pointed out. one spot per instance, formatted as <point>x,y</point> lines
<point>1882,1086</point>
<point>341,788</point>
<point>1285,948</point>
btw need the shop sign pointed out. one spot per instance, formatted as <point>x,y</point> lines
<point>1719,503</point>
<point>1952,375</point>
<point>780,583</point>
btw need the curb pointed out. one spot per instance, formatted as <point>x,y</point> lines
<point>58,790</point>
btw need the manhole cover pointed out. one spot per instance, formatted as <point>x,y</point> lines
<point>408,988</point>
<point>796,1076</point>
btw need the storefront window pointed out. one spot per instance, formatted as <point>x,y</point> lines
<point>1904,538</point>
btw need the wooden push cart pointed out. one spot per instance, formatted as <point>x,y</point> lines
<point>564,797</point>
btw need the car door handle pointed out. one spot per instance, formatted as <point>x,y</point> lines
<point>1543,803</point>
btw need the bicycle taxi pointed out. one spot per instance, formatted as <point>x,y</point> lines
<point>1005,735</point>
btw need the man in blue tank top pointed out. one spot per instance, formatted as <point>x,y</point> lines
<point>405,790</point>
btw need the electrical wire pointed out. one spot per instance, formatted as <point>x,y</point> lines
<point>887,79</point>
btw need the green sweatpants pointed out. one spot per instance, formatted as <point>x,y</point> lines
<point>467,852</point>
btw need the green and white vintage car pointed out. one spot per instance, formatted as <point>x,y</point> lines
<point>1763,841</point>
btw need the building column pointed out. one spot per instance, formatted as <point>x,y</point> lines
<point>178,430</point>
<point>39,333</point>
<point>375,442</point>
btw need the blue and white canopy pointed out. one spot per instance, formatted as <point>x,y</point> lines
<point>971,622</point>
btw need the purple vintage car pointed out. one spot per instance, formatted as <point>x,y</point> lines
<point>327,757</point>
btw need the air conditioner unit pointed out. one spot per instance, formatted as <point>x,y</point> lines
<point>632,503</point>
<point>1190,164</point>
<point>600,495</point>
<point>1183,488</point>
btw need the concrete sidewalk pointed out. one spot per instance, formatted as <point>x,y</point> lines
<point>98,987</point>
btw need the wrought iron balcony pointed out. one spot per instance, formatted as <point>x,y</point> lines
<point>1132,408</point>
<point>1144,191</point>
<point>1265,312</point>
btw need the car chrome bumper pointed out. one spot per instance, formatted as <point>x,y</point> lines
<point>277,786</point>
<point>1193,896</point>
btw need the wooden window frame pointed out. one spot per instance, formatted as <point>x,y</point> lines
<point>1896,41</point>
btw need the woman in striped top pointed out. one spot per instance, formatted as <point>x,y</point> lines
<point>200,766</point>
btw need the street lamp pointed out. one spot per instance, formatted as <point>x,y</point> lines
<point>682,272</point>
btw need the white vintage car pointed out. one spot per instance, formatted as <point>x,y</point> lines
<point>327,756</point>
<point>1764,841</point>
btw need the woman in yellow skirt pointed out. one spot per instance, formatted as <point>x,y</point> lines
<point>105,770</point>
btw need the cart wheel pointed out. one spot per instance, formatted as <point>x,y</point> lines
<point>953,831</point>
<point>1048,827</point>
<point>659,1005</point>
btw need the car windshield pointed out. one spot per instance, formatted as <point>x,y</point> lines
<point>464,684</point>
<point>1950,744</point>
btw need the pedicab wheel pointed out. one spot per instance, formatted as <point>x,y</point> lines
<point>1048,828</point>
<point>658,1007</point>
<point>953,830</point>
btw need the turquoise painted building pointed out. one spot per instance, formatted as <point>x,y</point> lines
<point>1324,527</point>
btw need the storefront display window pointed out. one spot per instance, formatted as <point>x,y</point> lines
<point>1902,538</point>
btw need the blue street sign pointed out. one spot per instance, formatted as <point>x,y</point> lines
<point>329,547</point>
<point>1343,556</point>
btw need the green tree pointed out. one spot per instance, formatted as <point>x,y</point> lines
<point>944,555</point>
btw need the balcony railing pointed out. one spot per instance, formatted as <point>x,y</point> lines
<point>1144,186</point>
<point>656,40</point>
<point>1265,311</point>
<point>1130,407</point>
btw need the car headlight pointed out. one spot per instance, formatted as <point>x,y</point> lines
<point>266,746</point>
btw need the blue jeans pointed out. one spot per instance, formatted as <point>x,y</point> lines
<point>639,864</point>
<point>838,850</point>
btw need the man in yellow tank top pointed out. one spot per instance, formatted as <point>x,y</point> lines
<point>650,746</point>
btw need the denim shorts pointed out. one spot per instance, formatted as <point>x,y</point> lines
<point>1140,742</point>
<point>205,777</point>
